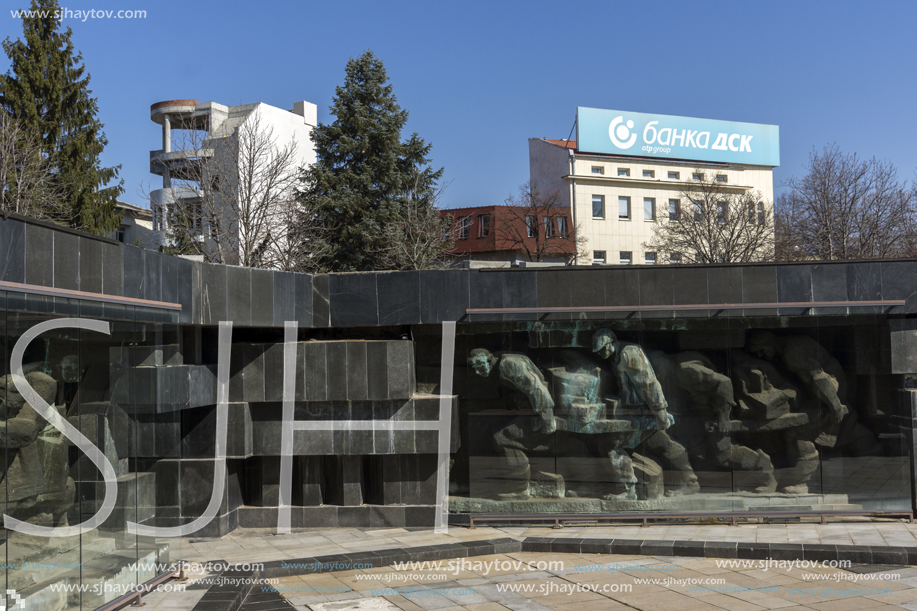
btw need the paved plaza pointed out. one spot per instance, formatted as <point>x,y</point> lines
<point>486,587</point>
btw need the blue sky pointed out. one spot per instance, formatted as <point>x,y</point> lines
<point>480,78</point>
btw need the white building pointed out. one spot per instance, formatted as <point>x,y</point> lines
<point>136,226</point>
<point>624,173</point>
<point>209,131</point>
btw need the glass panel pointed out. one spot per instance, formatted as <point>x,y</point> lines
<point>793,414</point>
<point>95,381</point>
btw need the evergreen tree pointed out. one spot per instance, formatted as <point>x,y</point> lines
<point>365,175</point>
<point>47,89</point>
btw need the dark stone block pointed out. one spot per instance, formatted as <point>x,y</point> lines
<point>66,261</point>
<point>759,284</point>
<point>419,516</point>
<point>819,552</point>
<point>169,288</point>
<point>152,275</point>
<point>595,546</point>
<point>520,290</point>
<point>889,555</point>
<point>693,549</point>
<point>262,288</point>
<point>690,285</point>
<point>622,288</point>
<point>911,555</point>
<point>356,371</point>
<point>320,517</point>
<point>353,517</point>
<point>386,516</point>
<point>856,554</point>
<point>401,380</point>
<point>720,549</point>
<point>12,250</point>
<point>399,297</point>
<point>629,547</point>
<point>252,372</point>
<point>444,295</point>
<point>657,548</point>
<point>302,302</point>
<point>554,289</point>
<point>90,265</point>
<point>354,302</point>
<point>484,548</point>
<point>39,255</point>
<point>535,544</point>
<point>786,551</point>
<point>505,545</point>
<point>196,292</point>
<point>724,285</point>
<point>794,283</point>
<point>133,271</point>
<point>321,312</point>
<point>113,269</point>
<point>566,546</point>
<point>657,286</point>
<point>316,371</point>
<point>486,289</point>
<point>284,297</point>
<point>273,372</point>
<point>899,281</point>
<point>377,370</point>
<point>184,286</point>
<point>213,294</point>
<point>829,283</point>
<point>752,551</point>
<point>337,370</point>
<point>239,295</point>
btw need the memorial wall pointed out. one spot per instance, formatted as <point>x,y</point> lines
<point>148,398</point>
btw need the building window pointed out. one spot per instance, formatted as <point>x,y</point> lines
<point>623,172</point>
<point>484,226</point>
<point>562,226</point>
<point>751,214</point>
<point>624,208</point>
<point>674,175</point>
<point>465,227</point>
<point>721,212</point>
<point>122,233</point>
<point>598,257</point>
<point>675,258</point>
<point>649,209</point>
<point>596,169</point>
<point>548,227</point>
<point>698,211</point>
<point>696,176</point>
<point>760,213</point>
<point>598,206</point>
<point>649,258</point>
<point>626,258</point>
<point>674,209</point>
<point>649,174</point>
<point>721,178</point>
<point>531,228</point>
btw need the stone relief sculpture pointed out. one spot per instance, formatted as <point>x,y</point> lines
<point>39,489</point>
<point>635,425</point>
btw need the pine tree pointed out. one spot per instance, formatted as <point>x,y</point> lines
<point>47,89</point>
<point>364,174</point>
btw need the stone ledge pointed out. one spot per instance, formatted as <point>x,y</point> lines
<point>856,554</point>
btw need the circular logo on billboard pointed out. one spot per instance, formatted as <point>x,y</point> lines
<point>620,135</point>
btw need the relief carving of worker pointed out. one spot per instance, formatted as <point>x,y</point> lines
<point>639,387</point>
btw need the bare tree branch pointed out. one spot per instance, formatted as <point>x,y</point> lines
<point>538,226</point>
<point>846,208</point>
<point>27,179</point>
<point>715,223</point>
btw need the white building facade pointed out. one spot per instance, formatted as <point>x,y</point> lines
<point>618,193</point>
<point>212,131</point>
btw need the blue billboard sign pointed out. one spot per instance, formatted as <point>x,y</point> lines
<point>643,135</point>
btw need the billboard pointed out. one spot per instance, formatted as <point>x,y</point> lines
<point>668,137</point>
